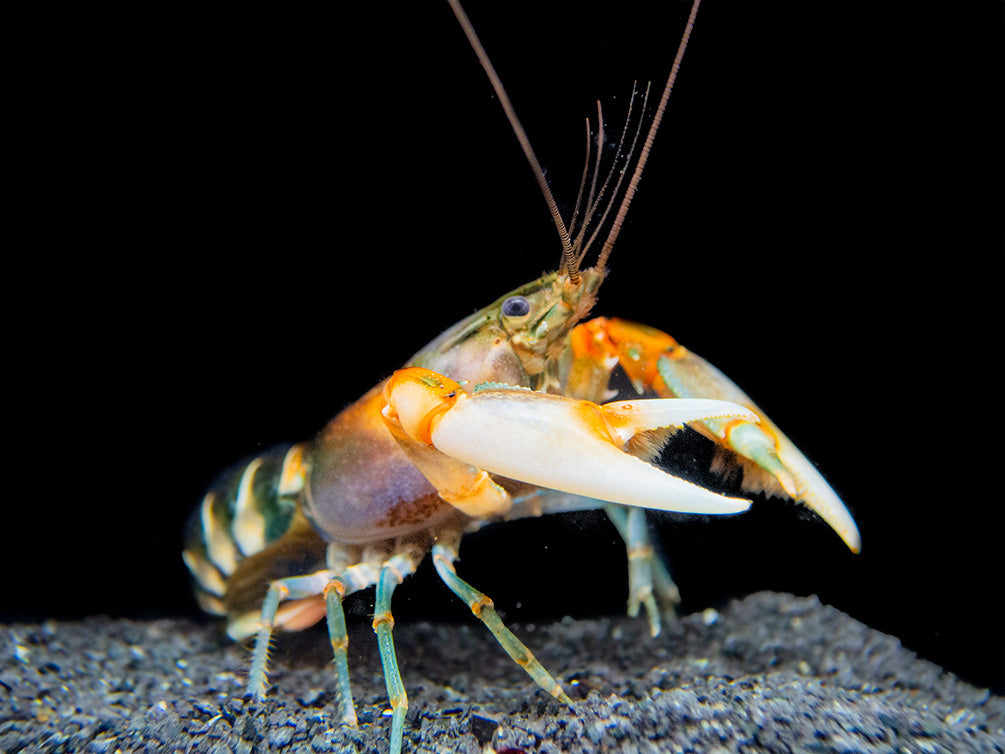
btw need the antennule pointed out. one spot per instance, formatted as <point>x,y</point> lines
<point>568,253</point>
<point>605,252</point>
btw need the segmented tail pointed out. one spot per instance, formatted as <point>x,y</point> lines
<point>248,508</point>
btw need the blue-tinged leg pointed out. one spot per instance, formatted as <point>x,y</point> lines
<point>648,576</point>
<point>444,556</point>
<point>640,557</point>
<point>391,574</point>
<point>351,578</point>
<point>295,616</point>
<point>296,587</point>
<point>260,657</point>
<point>334,592</point>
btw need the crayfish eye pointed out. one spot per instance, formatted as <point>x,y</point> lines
<point>516,307</point>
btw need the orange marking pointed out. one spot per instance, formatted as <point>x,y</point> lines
<point>480,604</point>
<point>579,341</point>
<point>591,352</point>
<point>589,341</point>
<point>442,392</point>
<point>638,348</point>
<point>734,423</point>
<point>424,430</point>
<point>641,552</point>
<point>334,585</point>
<point>525,660</point>
<point>383,618</point>
<point>296,615</point>
<point>593,417</point>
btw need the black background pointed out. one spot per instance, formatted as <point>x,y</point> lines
<point>226,224</point>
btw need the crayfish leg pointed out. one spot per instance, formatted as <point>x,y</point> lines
<point>334,591</point>
<point>649,580</point>
<point>299,589</point>
<point>392,573</point>
<point>300,601</point>
<point>444,555</point>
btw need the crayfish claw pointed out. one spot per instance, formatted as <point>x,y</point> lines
<point>554,442</point>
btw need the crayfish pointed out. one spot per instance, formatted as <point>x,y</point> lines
<point>506,414</point>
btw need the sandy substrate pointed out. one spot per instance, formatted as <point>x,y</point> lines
<point>770,673</point>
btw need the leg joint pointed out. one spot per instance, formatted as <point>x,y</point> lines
<point>480,604</point>
<point>381,619</point>
<point>280,589</point>
<point>335,585</point>
<point>643,552</point>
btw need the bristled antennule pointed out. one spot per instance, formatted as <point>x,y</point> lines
<point>568,253</point>
<point>612,236</point>
<point>571,259</point>
<point>590,220</point>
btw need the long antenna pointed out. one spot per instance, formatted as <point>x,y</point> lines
<point>568,254</point>
<point>605,252</point>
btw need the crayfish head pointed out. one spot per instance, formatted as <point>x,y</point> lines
<point>517,337</point>
<point>545,316</point>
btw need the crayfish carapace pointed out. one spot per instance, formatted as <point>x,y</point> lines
<point>506,414</point>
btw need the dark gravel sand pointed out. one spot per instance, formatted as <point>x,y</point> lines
<point>772,673</point>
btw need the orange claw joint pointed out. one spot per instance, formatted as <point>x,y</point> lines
<point>415,401</point>
<point>550,441</point>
